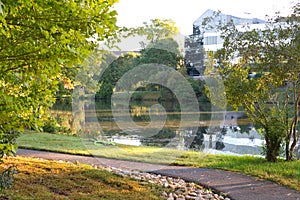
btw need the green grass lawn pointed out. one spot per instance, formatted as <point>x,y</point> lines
<point>286,173</point>
<point>41,179</point>
<point>81,146</point>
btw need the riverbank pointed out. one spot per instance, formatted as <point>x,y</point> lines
<point>285,173</point>
<point>235,185</point>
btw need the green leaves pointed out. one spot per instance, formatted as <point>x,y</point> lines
<point>41,42</point>
<point>8,142</point>
<point>165,51</point>
<point>156,29</point>
<point>271,100</point>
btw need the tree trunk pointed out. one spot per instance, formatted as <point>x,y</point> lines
<point>287,148</point>
<point>293,131</point>
<point>272,147</point>
<point>292,148</point>
<point>272,153</point>
<point>289,129</point>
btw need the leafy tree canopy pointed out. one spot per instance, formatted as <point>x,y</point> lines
<point>41,42</point>
<point>264,78</point>
<point>157,29</point>
<point>118,66</point>
<point>165,51</point>
<point>162,49</point>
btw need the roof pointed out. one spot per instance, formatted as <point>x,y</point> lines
<point>225,18</point>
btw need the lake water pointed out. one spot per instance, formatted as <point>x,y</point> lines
<point>144,123</point>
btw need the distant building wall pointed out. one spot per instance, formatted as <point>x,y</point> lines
<point>211,37</point>
<point>203,40</point>
<point>194,54</point>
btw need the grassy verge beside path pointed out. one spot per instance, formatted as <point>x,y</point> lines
<point>79,146</point>
<point>41,179</point>
<point>286,173</point>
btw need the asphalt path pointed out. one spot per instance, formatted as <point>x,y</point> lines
<point>237,186</point>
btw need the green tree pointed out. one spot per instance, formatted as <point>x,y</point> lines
<point>157,29</point>
<point>42,43</point>
<point>164,51</point>
<point>116,69</point>
<point>153,31</point>
<point>210,64</point>
<point>271,99</point>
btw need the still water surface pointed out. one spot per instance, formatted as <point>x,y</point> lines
<point>214,131</point>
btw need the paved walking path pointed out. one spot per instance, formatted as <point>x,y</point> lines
<point>237,186</point>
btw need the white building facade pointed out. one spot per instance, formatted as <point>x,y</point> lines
<point>211,37</point>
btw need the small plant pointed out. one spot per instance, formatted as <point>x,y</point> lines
<point>8,145</point>
<point>7,177</point>
<point>8,148</point>
<point>52,126</point>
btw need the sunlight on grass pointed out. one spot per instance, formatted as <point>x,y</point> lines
<point>77,145</point>
<point>56,180</point>
<point>286,173</point>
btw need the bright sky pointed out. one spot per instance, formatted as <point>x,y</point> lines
<point>132,13</point>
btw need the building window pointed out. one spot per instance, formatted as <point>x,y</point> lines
<point>210,40</point>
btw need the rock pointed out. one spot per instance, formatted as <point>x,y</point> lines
<point>175,195</point>
<point>180,190</point>
<point>188,197</point>
<point>193,194</point>
<point>170,179</point>
<point>191,184</point>
<point>173,187</point>
<point>171,197</point>
<point>137,178</point>
<point>143,183</point>
<point>207,196</point>
<point>164,194</point>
